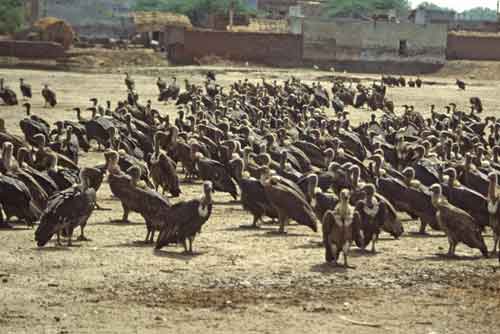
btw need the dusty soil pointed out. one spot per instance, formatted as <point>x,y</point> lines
<point>239,280</point>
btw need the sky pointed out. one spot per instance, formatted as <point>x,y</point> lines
<point>461,5</point>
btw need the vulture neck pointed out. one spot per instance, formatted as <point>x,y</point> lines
<point>492,190</point>
<point>53,164</point>
<point>114,168</point>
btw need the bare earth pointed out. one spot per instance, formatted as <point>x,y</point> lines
<point>239,280</point>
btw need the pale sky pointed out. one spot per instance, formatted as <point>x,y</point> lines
<point>460,5</point>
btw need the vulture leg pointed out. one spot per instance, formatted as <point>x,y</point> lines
<point>58,242</point>
<point>191,240</point>
<point>69,233</point>
<point>495,242</point>
<point>423,225</point>
<point>152,236</point>
<point>4,224</point>
<point>254,223</point>
<point>374,240</point>
<point>282,220</point>
<point>148,234</point>
<point>82,235</point>
<point>345,252</point>
<point>126,212</point>
<point>184,243</point>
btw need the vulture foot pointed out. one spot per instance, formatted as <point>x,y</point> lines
<point>250,227</point>
<point>83,238</point>
<point>5,226</point>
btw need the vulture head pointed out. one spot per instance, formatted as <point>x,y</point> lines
<point>135,174</point>
<point>39,140</point>
<point>409,173</point>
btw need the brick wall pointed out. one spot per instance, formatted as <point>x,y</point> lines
<point>473,47</point>
<point>271,49</point>
<point>27,49</point>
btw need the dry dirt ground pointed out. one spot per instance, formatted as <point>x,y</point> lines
<point>239,280</point>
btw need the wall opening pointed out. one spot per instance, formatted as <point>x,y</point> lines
<point>403,48</point>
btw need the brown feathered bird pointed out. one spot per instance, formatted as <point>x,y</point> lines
<point>461,84</point>
<point>458,225</point>
<point>341,227</point>
<point>494,209</point>
<point>67,210</point>
<point>185,220</point>
<point>289,203</point>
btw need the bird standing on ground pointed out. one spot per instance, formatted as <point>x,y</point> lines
<point>49,96</point>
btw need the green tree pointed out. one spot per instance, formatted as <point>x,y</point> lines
<point>350,8</point>
<point>191,8</point>
<point>480,14</point>
<point>11,15</point>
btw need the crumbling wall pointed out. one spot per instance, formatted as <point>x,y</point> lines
<point>348,40</point>
<point>272,49</point>
<point>473,47</point>
<point>28,49</point>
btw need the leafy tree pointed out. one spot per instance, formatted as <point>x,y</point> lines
<point>350,8</point>
<point>11,15</point>
<point>432,6</point>
<point>191,8</point>
<point>480,14</point>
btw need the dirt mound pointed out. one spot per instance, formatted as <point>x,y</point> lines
<point>114,59</point>
<point>479,70</point>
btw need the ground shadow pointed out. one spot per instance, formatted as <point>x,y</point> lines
<point>50,249</point>
<point>310,245</point>
<point>329,269</point>
<point>417,235</point>
<point>118,222</point>
<point>180,255</point>
<point>443,257</point>
<point>276,234</point>
<point>246,228</point>
<point>132,244</point>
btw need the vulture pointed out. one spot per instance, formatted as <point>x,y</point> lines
<point>253,195</point>
<point>25,89</point>
<point>214,171</point>
<point>129,82</point>
<point>494,209</point>
<point>11,168</point>
<point>162,85</point>
<point>288,203</point>
<point>16,201</point>
<point>371,213</point>
<point>460,84</point>
<point>8,96</point>
<point>149,204</point>
<point>49,96</point>
<point>66,211</point>
<point>164,174</point>
<point>185,219</point>
<point>458,225</point>
<point>341,227</point>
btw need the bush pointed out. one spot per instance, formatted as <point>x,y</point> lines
<point>11,15</point>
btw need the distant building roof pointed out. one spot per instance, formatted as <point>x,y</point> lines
<point>157,21</point>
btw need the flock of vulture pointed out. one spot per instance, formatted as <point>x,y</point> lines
<point>273,148</point>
